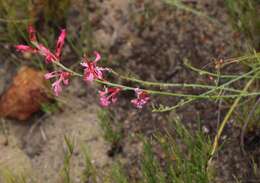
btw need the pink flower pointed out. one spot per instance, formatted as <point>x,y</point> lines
<point>63,77</point>
<point>142,98</point>
<point>92,71</point>
<point>108,96</point>
<point>41,49</point>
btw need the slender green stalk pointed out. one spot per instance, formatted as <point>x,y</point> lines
<point>203,72</point>
<point>240,59</point>
<point>225,121</point>
<point>208,92</point>
<point>160,92</point>
<point>184,85</point>
<point>189,96</point>
<point>67,69</point>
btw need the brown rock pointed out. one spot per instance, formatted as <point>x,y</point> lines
<point>25,95</point>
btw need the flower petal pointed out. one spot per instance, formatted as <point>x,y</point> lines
<point>60,43</point>
<point>25,48</point>
<point>84,64</point>
<point>88,76</point>
<point>49,57</point>
<point>51,75</point>
<point>108,96</point>
<point>64,76</point>
<point>104,102</point>
<point>98,56</point>
<point>56,86</point>
<point>142,98</point>
<point>135,102</point>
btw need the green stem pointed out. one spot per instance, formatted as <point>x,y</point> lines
<point>203,72</point>
<point>57,62</point>
<point>239,59</point>
<point>67,69</point>
<point>208,92</point>
<point>225,121</point>
<point>154,91</point>
<point>176,94</point>
<point>184,85</point>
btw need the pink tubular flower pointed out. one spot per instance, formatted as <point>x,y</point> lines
<point>108,96</point>
<point>92,71</point>
<point>142,98</point>
<point>42,50</point>
<point>63,78</point>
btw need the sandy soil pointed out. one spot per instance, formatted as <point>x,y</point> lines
<point>41,143</point>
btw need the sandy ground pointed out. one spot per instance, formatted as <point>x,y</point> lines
<point>38,147</point>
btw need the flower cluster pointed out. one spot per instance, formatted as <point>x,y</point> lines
<point>108,96</point>
<point>92,72</point>
<point>41,49</point>
<point>63,77</point>
<point>142,98</point>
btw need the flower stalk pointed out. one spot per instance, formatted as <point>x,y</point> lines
<point>94,73</point>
